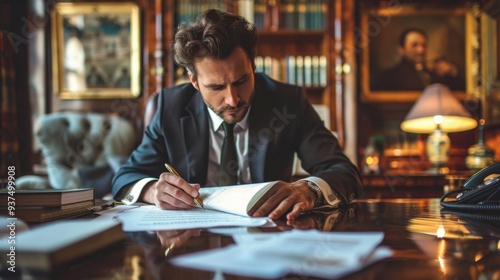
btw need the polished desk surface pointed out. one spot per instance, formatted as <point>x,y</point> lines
<point>467,248</point>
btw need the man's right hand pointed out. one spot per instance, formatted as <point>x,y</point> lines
<point>170,192</point>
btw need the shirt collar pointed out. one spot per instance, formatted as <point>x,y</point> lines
<point>217,121</point>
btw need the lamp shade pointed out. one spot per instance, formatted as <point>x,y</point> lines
<point>437,106</point>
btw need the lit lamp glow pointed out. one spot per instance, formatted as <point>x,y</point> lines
<point>437,112</point>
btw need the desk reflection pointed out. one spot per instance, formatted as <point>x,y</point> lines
<point>427,243</point>
<point>466,245</point>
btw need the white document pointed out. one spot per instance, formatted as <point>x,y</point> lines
<point>311,253</point>
<point>150,217</point>
<point>228,260</point>
<point>345,248</point>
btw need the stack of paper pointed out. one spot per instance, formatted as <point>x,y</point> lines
<point>309,253</point>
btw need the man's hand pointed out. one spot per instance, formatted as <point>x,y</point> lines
<point>171,192</point>
<point>294,198</point>
<point>171,238</point>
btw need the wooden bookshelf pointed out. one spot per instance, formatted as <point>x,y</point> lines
<point>286,28</point>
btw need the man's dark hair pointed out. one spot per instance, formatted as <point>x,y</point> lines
<point>213,34</point>
<point>402,37</point>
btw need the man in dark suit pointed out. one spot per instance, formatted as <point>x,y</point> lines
<point>270,121</point>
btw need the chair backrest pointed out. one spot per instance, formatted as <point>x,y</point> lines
<point>73,143</point>
<point>149,111</point>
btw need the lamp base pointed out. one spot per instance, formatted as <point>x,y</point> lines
<point>438,147</point>
<point>479,155</point>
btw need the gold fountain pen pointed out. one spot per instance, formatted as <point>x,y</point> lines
<point>171,169</point>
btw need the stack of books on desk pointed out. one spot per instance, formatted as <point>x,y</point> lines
<point>40,206</point>
<point>48,246</point>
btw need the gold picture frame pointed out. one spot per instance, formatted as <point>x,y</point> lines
<point>490,69</point>
<point>96,50</point>
<point>379,34</point>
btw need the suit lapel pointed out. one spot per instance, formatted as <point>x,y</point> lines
<point>195,132</point>
<point>259,133</point>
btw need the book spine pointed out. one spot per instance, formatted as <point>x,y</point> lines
<point>283,19</point>
<point>260,14</point>
<point>64,214</point>
<point>322,71</point>
<point>290,15</point>
<point>315,70</point>
<point>316,15</point>
<point>290,69</point>
<point>246,9</point>
<point>302,9</point>
<point>300,70</point>
<point>307,71</point>
<point>276,69</point>
<point>309,14</point>
<point>274,15</point>
<point>259,64</point>
<point>268,62</point>
<point>323,12</point>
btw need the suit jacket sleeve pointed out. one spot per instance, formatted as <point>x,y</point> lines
<point>283,118</point>
<point>322,156</point>
<point>156,147</point>
<point>145,159</point>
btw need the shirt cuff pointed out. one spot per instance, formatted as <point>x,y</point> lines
<point>133,193</point>
<point>329,197</point>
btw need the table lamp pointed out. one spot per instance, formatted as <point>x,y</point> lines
<point>437,112</point>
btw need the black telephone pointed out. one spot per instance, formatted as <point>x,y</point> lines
<point>477,193</point>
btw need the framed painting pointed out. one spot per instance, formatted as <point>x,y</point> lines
<point>490,70</point>
<point>405,49</point>
<point>96,50</point>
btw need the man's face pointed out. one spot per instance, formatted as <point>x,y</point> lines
<point>226,85</point>
<point>414,48</point>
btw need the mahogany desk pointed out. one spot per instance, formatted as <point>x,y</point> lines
<point>470,248</point>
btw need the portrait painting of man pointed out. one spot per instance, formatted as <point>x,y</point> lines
<point>410,52</point>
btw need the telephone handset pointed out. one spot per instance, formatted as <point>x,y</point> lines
<point>478,178</point>
<point>479,192</point>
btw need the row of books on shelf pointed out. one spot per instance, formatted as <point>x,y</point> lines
<point>290,14</point>
<point>186,10</point>
<point>308,71</point>
<point>38,206</point>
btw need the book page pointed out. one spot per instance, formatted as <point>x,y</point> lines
<point>150,217</point>
<point>233,199</point>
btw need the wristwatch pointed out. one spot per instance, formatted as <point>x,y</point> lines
<point>316,189</point>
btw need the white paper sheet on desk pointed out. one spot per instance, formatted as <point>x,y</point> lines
<point>150,217</point>
<point>334,247</point>
<point>278,260</point>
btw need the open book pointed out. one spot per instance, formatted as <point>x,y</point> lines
<point>238,199</point>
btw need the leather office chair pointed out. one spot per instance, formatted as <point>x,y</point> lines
<point>80,150</point>
<point>150,110</point>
